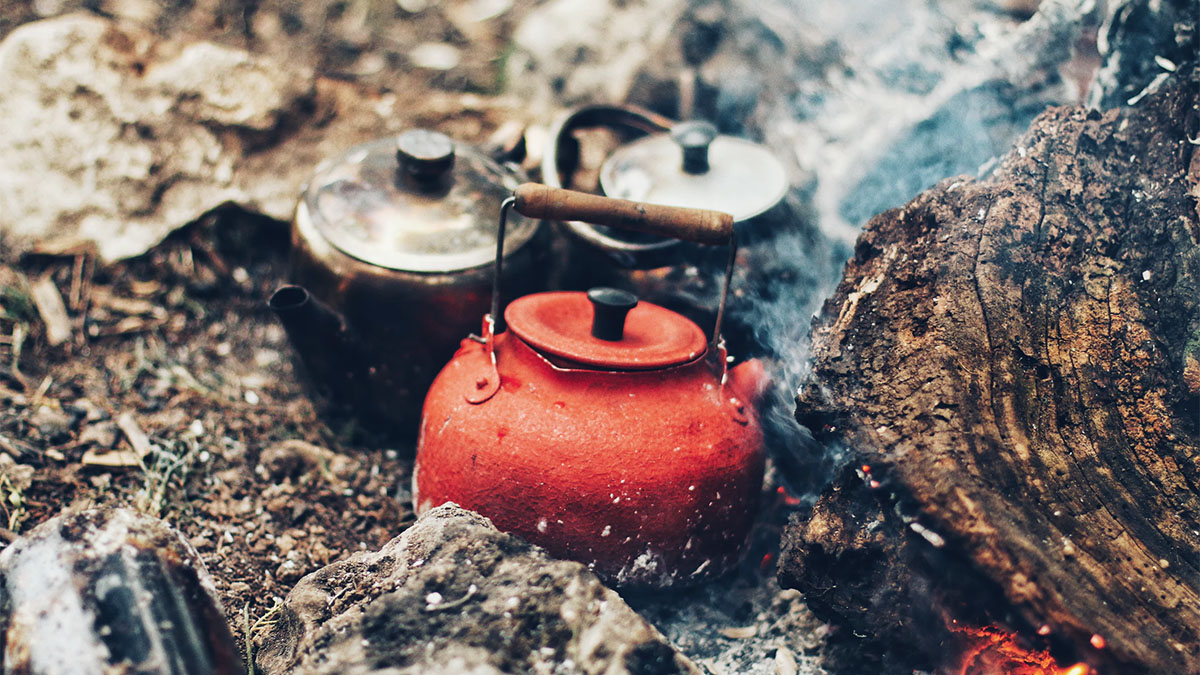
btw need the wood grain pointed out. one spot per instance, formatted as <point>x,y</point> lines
<point>1016,361</point>
<point>698,225</point>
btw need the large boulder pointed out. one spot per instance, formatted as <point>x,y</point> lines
<point>116,137</point>
<point>113,136</point>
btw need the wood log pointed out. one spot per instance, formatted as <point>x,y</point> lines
<point>1015,364</point>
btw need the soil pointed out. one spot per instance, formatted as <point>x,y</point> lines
<point>179,343</point>
<point>193,355</point>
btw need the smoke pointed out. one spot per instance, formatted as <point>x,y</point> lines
<point>789,271</point>
<point>868,103</point>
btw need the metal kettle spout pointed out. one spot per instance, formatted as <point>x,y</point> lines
<point>329,348</point>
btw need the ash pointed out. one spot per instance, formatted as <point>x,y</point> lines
<point>743,623</point>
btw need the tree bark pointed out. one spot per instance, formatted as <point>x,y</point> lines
<point>1015,364</point>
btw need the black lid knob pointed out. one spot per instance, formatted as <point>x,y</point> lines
<point>694,137</point>
<point>609,307</point>
<point>425,156</point>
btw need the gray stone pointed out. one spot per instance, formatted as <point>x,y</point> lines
<point>50,422</point>
<point>110,590</point>
<point>453,594</point>
<point>114,137</point>
<point>100,434</point>
<point>90,411</point>
<point>19,477</point>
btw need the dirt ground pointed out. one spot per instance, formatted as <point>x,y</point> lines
<point>179,345</point>
<point>175,391</point>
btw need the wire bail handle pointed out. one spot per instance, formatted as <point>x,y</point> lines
<point>701,226</point>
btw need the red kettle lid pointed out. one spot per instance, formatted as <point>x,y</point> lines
<point>605,328</point>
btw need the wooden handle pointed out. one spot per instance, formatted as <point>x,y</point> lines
<point>699,225</point>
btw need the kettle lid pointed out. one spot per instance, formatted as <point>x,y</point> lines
<point>416,202</point>
<point>694,166</point>
<point>585,328</point>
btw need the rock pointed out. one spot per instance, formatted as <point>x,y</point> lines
<point>19,477</point>
<point>116,137</point>
<point>89,411</point>
<point>289,571</point>
<point>453,594</point>
<point>50,422</point>
<point>101,434</point>
<point>110,590</point>
<point>435,56</point>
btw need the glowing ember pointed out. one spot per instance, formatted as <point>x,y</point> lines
<point>995,652</point>
<point>787,498</point>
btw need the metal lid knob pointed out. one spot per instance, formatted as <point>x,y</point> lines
<point>425,156</point>
<point>694,138</point>
<point>609,307</point>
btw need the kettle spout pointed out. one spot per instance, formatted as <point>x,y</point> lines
<point>749,380</point>
<point>328,347</point>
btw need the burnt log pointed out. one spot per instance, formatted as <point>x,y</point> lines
<point>1014,364</point>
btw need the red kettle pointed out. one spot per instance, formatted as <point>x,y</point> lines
<point>606,430</point>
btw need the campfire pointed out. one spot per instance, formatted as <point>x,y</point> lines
<point>504,336</point>
<point>992,650</point>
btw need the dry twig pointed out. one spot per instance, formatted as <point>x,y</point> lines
<point>53,311</point>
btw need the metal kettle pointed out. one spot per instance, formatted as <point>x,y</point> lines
<point>605,429</point>
<point>393,243</point>
<point>647,157</point>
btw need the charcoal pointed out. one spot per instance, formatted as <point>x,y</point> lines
<point>110,590</point>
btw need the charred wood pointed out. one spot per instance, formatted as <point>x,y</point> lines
<point>1015,363</point>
